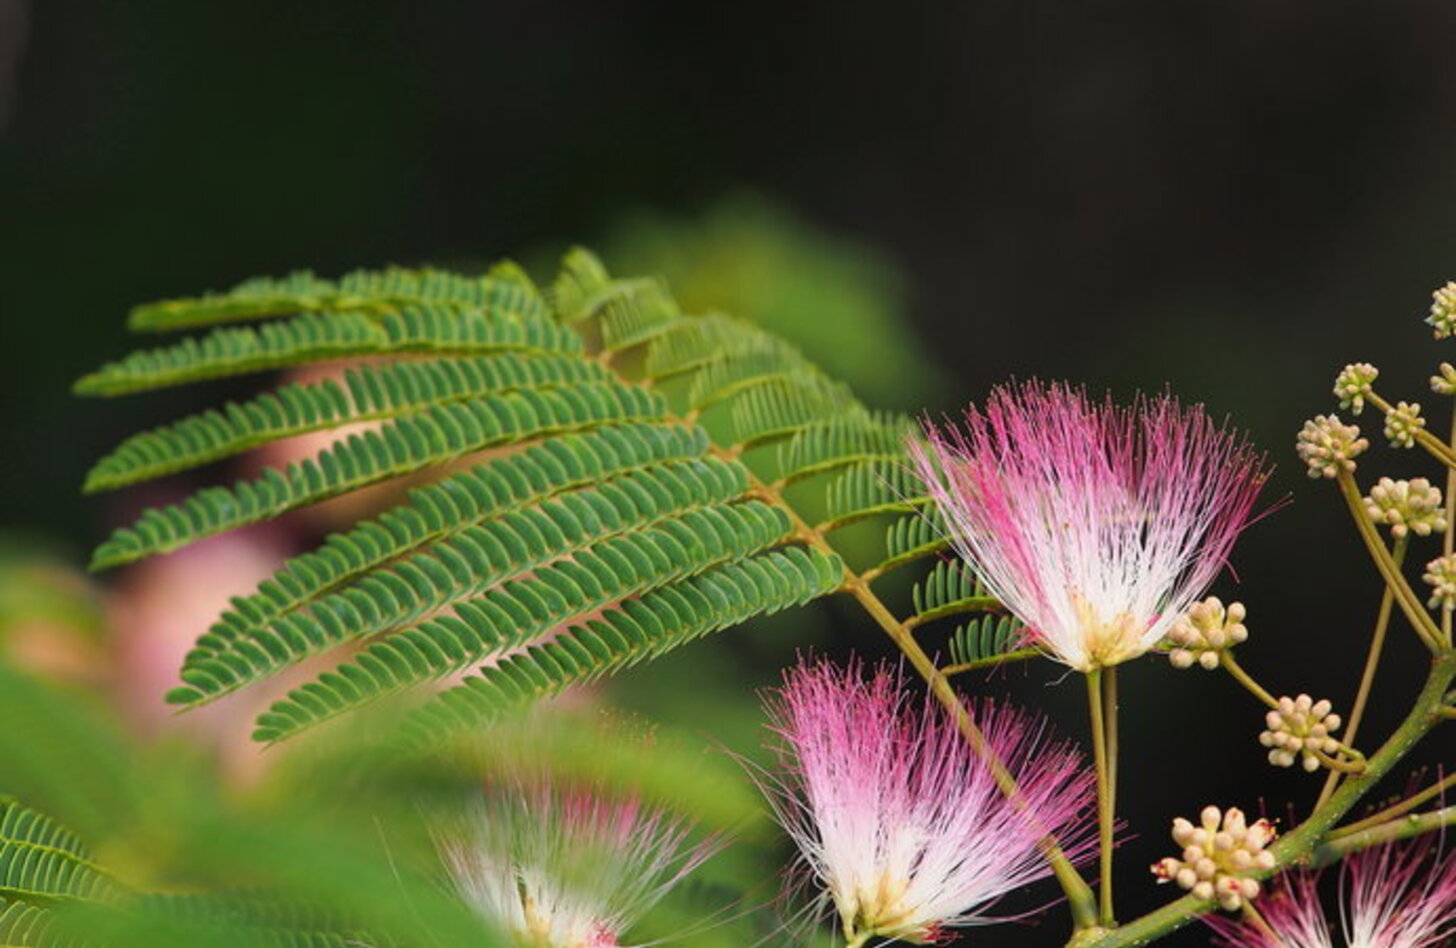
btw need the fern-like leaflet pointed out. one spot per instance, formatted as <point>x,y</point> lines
<point>626,494</point>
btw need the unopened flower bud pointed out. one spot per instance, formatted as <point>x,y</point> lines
<point>1327,445</point>
<point>1445,383</point>
<point>1353,385</point>
<point>1407,506</point>
<point>1443,311</point>
<point>1300,729</point>
<point>1212,872</point>
<point>1441,575</point>
<point>1205,630</point>
<point>1402,423</point>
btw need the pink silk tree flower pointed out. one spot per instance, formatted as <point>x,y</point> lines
<point>568,869</point>
<point>897,820</point>
<point>1097,526</point>
<point>1397,895</point>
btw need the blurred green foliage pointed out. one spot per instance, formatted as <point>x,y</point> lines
<point>842,301</point>
<point>338,828</point>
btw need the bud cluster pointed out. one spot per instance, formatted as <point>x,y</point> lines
<point>1441,575</point>
<point>1443,311</point>
<point>1215,853</point>
<point>1445,383</point>
<point>1352,385</point>
<point>1412,506</point>
<point>1403,423</point>
<point>1204,631</point>
<point>1301,727</point>
<point>1329,446</point>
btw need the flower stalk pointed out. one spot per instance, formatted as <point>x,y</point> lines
<point>1448,541</point>
<point>1410,604</point>
<point>1434,446</point>
<point>1102,705</point>
<point>1299,844</point>
<point>1372,662</point>
<point>1231,665</point>
<point>1396,810</point>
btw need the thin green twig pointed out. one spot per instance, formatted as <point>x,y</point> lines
<point>1402,828</point>
<point>1372,663</point>
<point>1231,665</point>
<point>1397,809</point>
<point>1096,705</point>
<point>1410,604</point>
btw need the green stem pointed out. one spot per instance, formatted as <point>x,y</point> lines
<point>858,941</point>
<point>1096,705</point>
<point>1448,541</point>
<point>1257,919</point>
<point>1109,716</point>
<point>1420,620</point>
<point>1299,843</point>
<point>1372,662</point>
<point>1232,666</point>
<point>1337,849</point>
<point>1398,809</point>
<point>991,661</point>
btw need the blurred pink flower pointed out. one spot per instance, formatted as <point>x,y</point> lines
<point>1398,895</point>
<point>897,818</point>
<point>1096,525</point>
<point>568,868</point>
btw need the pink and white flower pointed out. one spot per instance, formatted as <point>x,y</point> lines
<point>1097,526</point>
<point>568,868</point>
<point>1398,895</point>
<point>898,820</point>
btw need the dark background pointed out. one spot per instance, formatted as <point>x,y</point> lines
<point>1231,198</point>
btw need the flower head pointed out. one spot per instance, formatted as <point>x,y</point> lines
<point>1397,895</point>
<point>1445,382</point>
<point>1402,423</point>
<point>1301,728</point>
<point>1097,526</point>
<point>1216,853</point>
<point>567,868</point>
<point>1442,319</point>
<point>1352,386</point>
<point>1328,446</point>
<point>1205,631</point>
<point>896,817</point>
<point>1441,575</point>
<point>1407,506</point>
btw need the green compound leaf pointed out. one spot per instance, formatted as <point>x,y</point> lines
<point>575,531</point>
<point>604,516</point>
<point>365,393</point>
<point>950,589</point>
<point>403,446</point>
<point>989,641</point>
<point>364,290</point>
<point>43,863</point>
<point>643,628</point>
<point>328,336</point>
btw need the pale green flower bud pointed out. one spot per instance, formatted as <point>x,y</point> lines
<point>1327,445</point>
<point>1401,424</point>
<point>1353,385</point>
<point>1406,507</point>
<point>1443,311</point>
